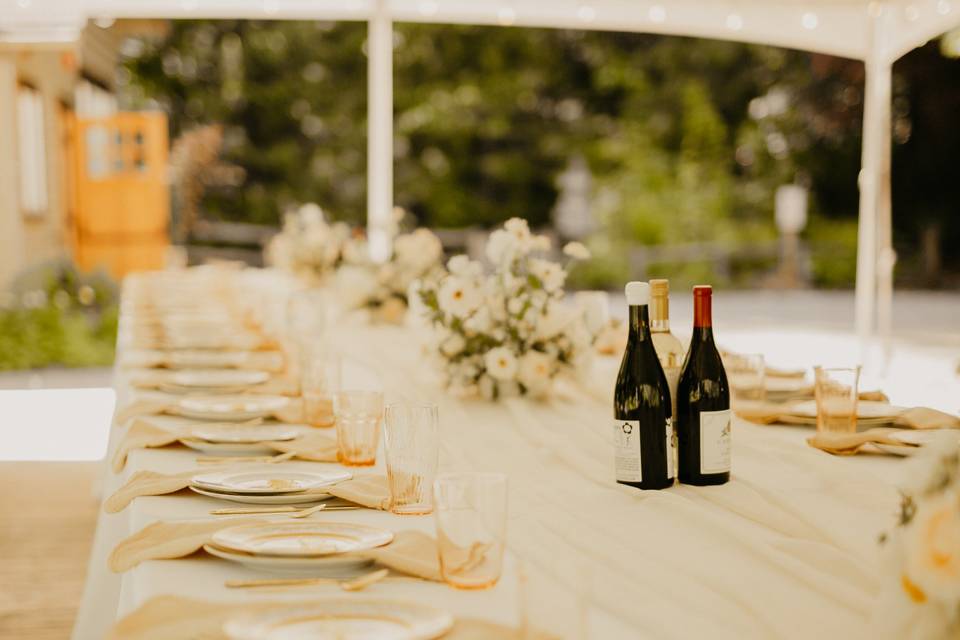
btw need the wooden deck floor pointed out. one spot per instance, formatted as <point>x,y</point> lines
<point>47,518</point>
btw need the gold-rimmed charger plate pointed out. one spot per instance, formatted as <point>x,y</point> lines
<point>268,479</point>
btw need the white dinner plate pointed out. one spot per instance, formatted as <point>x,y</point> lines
<point>227,433</point>
<point>230,408</point>
<point>307,497</point>
<point>914,440</point>
<point>205,359</point>
<point>300,538</point>
<point>342,619</point>
<point>339,566</point>
<point>228,448</point>
<point>267,479</point>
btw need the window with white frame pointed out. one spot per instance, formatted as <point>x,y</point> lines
<point>32,151</point>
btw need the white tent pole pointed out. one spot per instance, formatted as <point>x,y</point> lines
<point>380,132</point>
<point>876,120</point>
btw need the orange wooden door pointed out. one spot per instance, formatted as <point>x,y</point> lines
<point>122,199</point>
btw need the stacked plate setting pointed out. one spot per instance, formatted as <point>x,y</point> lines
<point>230,408</point>
<point>212,381</point>
<point>239,439</point>
<point>342,619</point>
<point>268,484</point>
<point>302,547</point>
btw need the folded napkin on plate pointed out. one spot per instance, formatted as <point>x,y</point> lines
<point>411,552</point>
<point>847,444</point>
<point>369,491</point>
<point>143,434</point>
<point>179,618</point>
<point>291,413</point>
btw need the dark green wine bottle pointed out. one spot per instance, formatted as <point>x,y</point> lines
<point>703,403</point>
<point>643,426</point>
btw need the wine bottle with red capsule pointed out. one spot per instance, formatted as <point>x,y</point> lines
<point>703,403</point>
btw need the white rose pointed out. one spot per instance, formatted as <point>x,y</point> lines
<point>355,286</point>
<point>549,273</point>
<point>453,345</point>
<point>311,214</point>
<point>932,541</point>
<point>515,306</point>
<point>534,371</point>
<point>577,251</point>
<point>464,267</point>
<point>519,229</point>
<point>552,322</point>
<point>458,297</point>
<point>501,363</point>
<point>502,247</point>
<point>479,322</point>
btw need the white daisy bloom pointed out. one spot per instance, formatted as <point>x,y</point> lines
<point>535,370</point>
<point>458,297</point>
<point>501,363</point>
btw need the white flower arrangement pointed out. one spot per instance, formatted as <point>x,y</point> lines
<point>383,288</point>
<point>920,598</point>
<point>309,246</point>
<point>507,333</point>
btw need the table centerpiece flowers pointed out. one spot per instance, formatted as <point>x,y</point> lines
<point>383,288</point>
<point>310,247</point>
<point>920,595</point>
<point>507,332</point>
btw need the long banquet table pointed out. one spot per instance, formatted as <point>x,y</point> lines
<point>787,549</point>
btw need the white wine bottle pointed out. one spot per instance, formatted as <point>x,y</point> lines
<point>669,349</point>
<point>643,422</point>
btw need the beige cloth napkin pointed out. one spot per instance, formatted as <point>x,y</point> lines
<point>847,444</point>
<point>292,413</point>
<point>370,491</point>
<point>411,552</point>
<point>178,618</point>
<point>144,434</point>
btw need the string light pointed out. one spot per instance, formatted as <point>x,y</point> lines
<point>23,4</point>
<point>586,13</point>
<point>943,7</point>
<point>734,22</point>
<point>657,13</point>
<point>270,7</point>
<point>809,20</point>
<point>506,16</point>
<point>911,12</point>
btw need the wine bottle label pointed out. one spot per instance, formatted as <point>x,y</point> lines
<point>715,441</point>
<point>626,442</point>
<point>671,450</point>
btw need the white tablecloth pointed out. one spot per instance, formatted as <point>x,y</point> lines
<point>787,549</point>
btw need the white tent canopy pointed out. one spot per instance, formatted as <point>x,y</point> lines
<point>877,32</point>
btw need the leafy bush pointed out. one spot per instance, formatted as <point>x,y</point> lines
<point>53,315</point>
